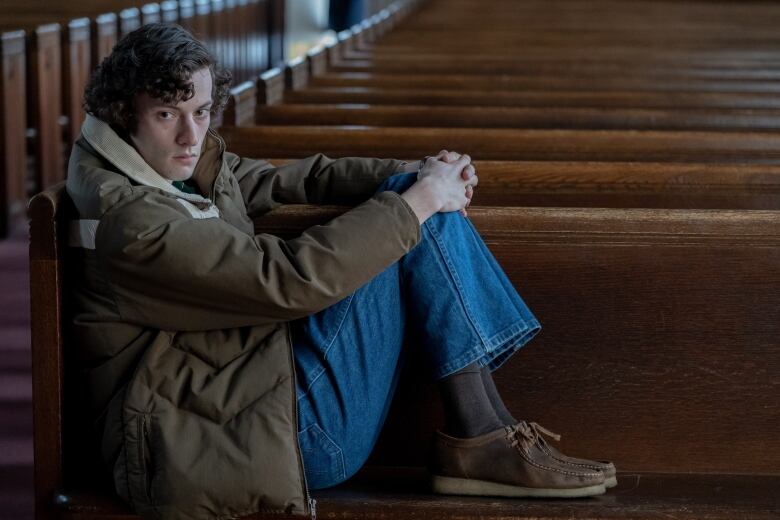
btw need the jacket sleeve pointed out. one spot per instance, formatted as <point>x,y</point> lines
<point>197,274</point>
<point>314,180</point>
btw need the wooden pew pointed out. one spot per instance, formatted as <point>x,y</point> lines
<point>307,82</point>
<point>537,98</point>
<point>584,118</point>
<point>104,36</point>
<point>13,124</point>
<point>698,276</point>
<point>45,104</point>
<point>623,185</point>
<point>508,144</point>
<point>77,64</point>
<point>668,311</point>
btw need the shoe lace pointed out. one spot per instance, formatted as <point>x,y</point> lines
<point>524,435</point>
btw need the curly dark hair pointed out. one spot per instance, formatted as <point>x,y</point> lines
<point>156,59</point>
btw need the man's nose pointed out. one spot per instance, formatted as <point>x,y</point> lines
<point>187,135</point>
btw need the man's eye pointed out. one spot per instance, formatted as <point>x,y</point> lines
<point>203,112</point>
<point>165,115</point>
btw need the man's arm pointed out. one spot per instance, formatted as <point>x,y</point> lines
<point>314,180</point>
<point>172,272</point>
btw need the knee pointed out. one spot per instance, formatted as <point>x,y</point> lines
<point>398,183</point>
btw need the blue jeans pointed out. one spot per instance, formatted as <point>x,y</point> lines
<point>448,291</point>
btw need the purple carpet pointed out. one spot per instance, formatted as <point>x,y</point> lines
<point>16,425</point>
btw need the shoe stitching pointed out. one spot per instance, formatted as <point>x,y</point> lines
<point>544,447</point>
<point>523,437</point>
<point>568,462</point>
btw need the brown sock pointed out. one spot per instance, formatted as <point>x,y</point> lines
<point>498,404</point>
<point>468,411</point>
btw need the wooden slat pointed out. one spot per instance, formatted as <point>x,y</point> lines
<point>242,40</point>
<point>150,13</point>
<point>129,20</point>
<point>77,65</point>
<point>276,31</point>
<point>13,125</point>
<point>506,144</point>
<point>201,28</point>
<point>105,36</point>
<point>187,14</point>
<point>232,33</point>
<point>537,98</point>
<point>623,185</point>
<point>219,29</point>
<point>507,82</point>
<point>519,117</point>
<point>46,106</point>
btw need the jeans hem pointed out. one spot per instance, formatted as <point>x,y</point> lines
<point>500,347</point>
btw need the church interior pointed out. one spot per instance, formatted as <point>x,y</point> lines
<point>628,154</point>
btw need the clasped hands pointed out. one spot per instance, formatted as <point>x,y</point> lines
<point>468,173</point>
<point>445,183</point>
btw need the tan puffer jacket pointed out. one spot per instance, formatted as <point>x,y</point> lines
<point>182,315</point>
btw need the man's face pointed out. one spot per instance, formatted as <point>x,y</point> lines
<point>169,137</point>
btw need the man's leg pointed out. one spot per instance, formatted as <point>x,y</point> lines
<point>465,313</point>
<point>348,359</point>
<point>462,305</point>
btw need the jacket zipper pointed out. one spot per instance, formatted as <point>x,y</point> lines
<point>312,503</point>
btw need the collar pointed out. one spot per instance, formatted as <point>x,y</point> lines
<point>124,157</point>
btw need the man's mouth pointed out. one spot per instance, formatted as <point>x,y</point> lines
<point>186,158</point>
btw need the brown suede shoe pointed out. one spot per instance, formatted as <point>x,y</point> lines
<point>605,466</point>
<point>506,462</point>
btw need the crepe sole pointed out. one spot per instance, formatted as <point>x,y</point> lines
<point>467,486</point>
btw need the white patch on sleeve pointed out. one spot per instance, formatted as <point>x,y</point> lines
<point>196,212</point>
<point>81,233</point>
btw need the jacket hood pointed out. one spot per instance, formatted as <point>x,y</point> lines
<point>129,162</point>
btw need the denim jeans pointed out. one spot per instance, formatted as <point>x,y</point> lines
<point>448,291</point>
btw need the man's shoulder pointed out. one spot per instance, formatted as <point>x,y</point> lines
<point>97,188</point>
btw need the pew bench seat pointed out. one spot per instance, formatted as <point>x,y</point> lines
<point>660,307</point>
<point>382,492</point>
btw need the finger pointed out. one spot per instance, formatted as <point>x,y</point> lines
<point>463,161</point>
<point>448,157</point>
<point>469,192</point>
<point>468,172</point>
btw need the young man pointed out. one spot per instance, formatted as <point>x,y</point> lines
<point>228,369</point>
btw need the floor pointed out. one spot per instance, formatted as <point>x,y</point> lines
<point>16,423</point>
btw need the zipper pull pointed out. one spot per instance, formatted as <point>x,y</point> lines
<point>313,508</point>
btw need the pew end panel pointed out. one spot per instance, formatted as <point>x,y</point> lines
<point>77,64</point>
<point>46,248</point>
<point>241,106</point>
<point>317,61</point>
<point>169,11</point>
<point>296,73</point>
<point>270,87</point>
<point>45,105</point>
<point>13,128</point>
<point>104,36</point>
<point>129,21</point>
<point>150,13</point>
